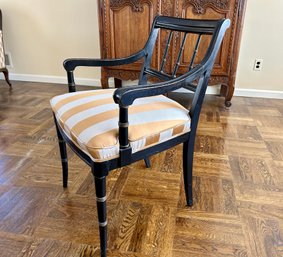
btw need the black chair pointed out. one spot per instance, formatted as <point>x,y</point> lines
<point>113,128</point>
<point>2,55</point>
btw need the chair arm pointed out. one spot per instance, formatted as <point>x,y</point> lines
<point>126,96</point>
<point>72,63</point>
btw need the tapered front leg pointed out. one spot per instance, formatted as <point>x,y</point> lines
<point>188,155</point>
<point>63,154</point>
<point>100,189</point>
<point>6,75</point>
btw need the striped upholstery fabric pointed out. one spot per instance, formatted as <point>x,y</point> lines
<point>90,120</point>
<point>2,57</point>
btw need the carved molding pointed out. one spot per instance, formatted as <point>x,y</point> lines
<point>137,5</point>
<point>122,74</point>
<point>233,28</point>
<point>200,6</point>
<point>216,79</point>
<point>133,75</point>
<point>167,7</point>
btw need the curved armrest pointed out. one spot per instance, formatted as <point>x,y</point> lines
<point>72,63</point>
<point>126,96</point>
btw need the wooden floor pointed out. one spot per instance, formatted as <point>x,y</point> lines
<point>238,187</point>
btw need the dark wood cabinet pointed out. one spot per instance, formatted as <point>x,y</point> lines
<point>125,25</point>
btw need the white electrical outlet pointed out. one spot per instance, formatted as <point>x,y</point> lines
<point>258,64</point>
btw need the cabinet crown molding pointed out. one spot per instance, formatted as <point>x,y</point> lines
<point>200,6</point>
<point>137,5</point>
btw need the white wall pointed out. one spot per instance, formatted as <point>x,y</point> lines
<point>40,34</point>
<point>262,38</point>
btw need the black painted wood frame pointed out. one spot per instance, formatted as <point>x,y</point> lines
<point>124,97</point>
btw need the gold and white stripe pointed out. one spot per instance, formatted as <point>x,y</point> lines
<point>90,120</point>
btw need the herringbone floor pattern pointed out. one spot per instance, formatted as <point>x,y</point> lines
<point>238,186</point>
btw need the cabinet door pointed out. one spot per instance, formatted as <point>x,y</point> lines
<point>125,28</point>
<point>208,9</point>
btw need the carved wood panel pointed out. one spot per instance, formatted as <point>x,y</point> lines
<point>126,28</point>
<point>136,5</point>
<point>200,6</point>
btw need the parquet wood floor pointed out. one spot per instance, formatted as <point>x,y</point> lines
<point>238,186</point>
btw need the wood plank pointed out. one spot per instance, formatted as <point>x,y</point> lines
<point>238,186</point>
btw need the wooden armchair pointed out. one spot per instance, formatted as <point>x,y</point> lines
<point>112,128</point>
<point>2,55</point>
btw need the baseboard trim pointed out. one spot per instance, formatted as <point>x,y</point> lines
<point>52,79</point>
<point>96,82</point>
<point>211,90</point>
<point>215,90</point>
<point>258,93</point>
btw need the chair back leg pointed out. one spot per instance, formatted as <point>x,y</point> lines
<point>63,154</point>
<point>6,75</point>
<point>147,162</point>
<point>100,190</point>
<point>188,156</point>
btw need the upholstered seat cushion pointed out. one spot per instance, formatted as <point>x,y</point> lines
<point>90,120</point>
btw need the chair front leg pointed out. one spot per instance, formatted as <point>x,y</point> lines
<point>100,189</point>
<point>63,154</point>
<point>188,156</point>
<point>6,75</point>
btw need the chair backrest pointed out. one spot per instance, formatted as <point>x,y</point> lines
<point>199,73</point>
<point>214,28</point>
<point>184,27</point>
